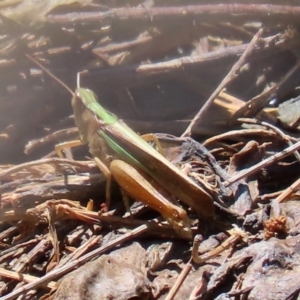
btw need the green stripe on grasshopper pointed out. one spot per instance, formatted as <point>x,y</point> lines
<point>89,100</point>
<point>122,153</point>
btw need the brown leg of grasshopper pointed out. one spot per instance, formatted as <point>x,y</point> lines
<point>104,169</point>
<point>140,186</point>
<point>101,166</point>
<point>66,145</point>
<point>151,137</point>
<point>126,201</point>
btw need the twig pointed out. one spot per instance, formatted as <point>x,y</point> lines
<point>185,271</point>
<point>70,266</point>
<point>283,196</point>
<point>213,253</point>
<point>91,242</point>
<point>50,161</point>
<point>283,136</point>
<point>236,135</point>
<point>24,277</point>
<point>128,74</point>
<point>256,104</point>
<point>125,46</point>
<point>161,228</point>
<point>52,137</point>
<point>229,77</point>
<point>263,164</point>
<point>270,196</point>
<point>200,259</point>
<point>209,12</point>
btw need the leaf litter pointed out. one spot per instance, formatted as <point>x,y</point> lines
<point>223,77</point>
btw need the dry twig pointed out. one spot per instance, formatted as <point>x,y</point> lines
<point>227,79</point>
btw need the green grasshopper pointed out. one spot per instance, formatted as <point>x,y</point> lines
<point>140,170</point>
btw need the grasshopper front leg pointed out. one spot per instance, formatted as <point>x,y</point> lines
<point>140,186</point>
<point>66,145</point>
<point>104,169</point>
<point>107,173</point>
<point>150,137</point>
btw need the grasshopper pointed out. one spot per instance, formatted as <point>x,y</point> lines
<point>140,170</point>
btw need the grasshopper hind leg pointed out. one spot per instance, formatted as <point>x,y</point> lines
<point>140,186</point>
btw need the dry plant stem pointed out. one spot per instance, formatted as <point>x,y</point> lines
<point>124,46</point>
<point>235,134</point>
<point>269,197</point>
<point>283,136</point>
<point>53,137</point>
<point>213,253</point>
<point>81,249</point>
<point>184,273</point>
<point>287,192</point>
<point>50,161</point>
<point>41,247</point>
<point>227,79</point>
<point>24,277</point>
<point>15,208</point>
<point>256,104</point>
<point>270,160</point>
<point>6,233</point>
<point>216,12</point>
<point>70,266</point>
<point>129,74</point>
<point>17,248</point>
<point>161,228</point>
<point>200,259</point>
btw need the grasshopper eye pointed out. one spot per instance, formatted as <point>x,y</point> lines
<point>77,93</point>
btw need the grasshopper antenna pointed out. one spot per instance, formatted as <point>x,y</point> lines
<point>85,72</point>
<point>78,80</point>
<point>50,74</point>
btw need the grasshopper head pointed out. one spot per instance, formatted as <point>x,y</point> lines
<point>89,101</point>
<point>89,114</point>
